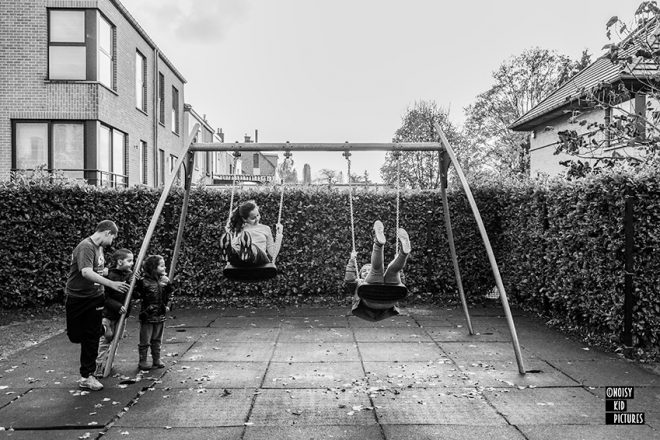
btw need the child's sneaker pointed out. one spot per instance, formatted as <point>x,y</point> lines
<point>90,383</point>
<point>404,240</point>
<point>245,253</point>
<point>379,232</point>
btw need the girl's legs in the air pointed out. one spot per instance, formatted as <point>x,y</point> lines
<point>377,269</point>
<point>393,273</point>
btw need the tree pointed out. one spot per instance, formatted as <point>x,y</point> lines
<point>521,82</point>
<point>629,134</point>
<point>419,169</point>
<point>329,176</point>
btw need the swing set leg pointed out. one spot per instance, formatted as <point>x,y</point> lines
<point>489,250</point>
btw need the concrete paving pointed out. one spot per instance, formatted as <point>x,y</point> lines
<point>315,373</point>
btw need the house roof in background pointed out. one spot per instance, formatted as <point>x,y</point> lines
<point>602,71</point>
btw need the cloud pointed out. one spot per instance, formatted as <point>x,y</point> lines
<point>191,21</point>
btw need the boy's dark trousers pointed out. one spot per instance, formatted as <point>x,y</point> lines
<point>83,326</point>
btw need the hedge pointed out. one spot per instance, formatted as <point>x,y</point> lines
<point>559,245</point>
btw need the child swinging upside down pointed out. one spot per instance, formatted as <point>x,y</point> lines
<point>247,242</point>
<point>375,273</point>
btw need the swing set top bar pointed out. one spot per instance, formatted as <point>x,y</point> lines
<point>286,146</point>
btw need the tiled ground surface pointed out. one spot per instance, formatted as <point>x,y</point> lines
<point>312,373</point>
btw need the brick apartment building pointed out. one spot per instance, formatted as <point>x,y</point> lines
<point>84,90</point>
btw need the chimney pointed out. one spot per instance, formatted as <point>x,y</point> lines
<point>256,135</point>
<point>247,139</point>
<point>220,134</point>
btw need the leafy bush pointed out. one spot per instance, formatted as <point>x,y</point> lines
<point>559,245</point>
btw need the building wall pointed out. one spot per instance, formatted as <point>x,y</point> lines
<point>27,93</point>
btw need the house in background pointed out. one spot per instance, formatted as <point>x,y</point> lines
<point>207,163</point>
<point>85,90</point>
<point>568,106</point>
<point>253,167</point>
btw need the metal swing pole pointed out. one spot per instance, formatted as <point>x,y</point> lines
<point>145,245</point>
<point>444,168</point>
<point>489,249</point>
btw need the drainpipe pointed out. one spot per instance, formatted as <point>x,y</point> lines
<point>156,114</point>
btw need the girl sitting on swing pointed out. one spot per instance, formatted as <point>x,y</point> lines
<point>375,273</point>
<point>247,242</point>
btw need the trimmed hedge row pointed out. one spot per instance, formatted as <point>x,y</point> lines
<point>559,245</point>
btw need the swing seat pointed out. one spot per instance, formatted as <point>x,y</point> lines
<point>250,273</point>
<point>382,292</point>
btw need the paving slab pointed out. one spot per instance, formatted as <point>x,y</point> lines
<point>250,312</point>
<point>369,432</point>
<point>591,432</point>
<point>59,434</point>
<point>397,321</point>
<point>298,322</point>
<point>607,373</point>
<point>229,351</point>
<point>9,394</point>
<point>415,374</point>
<point>247,322</point>
<point>216,433</point>
<point>316,311</point>
<point>312,374</point>
<point>311,407</point>
<point>548,406</point>
<point>505,374</point>
<point>463,352</point>
<point>458,406</point>
<point>189,408</point>
<point>261,334</point>
<point>436,322</point>
<point>395,334</point>
<point>316,335</point>
<point>453,432</point>
<point>563,349</point>
<point>191,318</point>
<point>400,351</point>
<point>453,334</point>
<point>316,352</point>
<point>214,375</point>
<point>60,408</point>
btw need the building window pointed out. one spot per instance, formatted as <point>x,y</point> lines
<point>67,56</point>
<point>255,161</point>
<point>173,159</point>
<point>175,110</point>
<point>142,163</point>
<point>111,159</point>
<point>73,35</point>
<point>55,145</point>
<point>140,81</point>
<point>161,98</point>
<point>161,167</point>
<point>106,53</point>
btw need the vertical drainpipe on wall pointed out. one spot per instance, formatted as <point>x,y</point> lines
<point>156,115</point>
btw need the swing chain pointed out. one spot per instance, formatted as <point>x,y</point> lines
<point>236,154</point>
<point>287,158</point>
<point>347,155</point>
<point>397,155</point>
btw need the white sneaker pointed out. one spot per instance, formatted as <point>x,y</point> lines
<point>379,232</point>
<point>90,383</point>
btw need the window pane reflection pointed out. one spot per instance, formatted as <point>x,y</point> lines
<point>31,145</point>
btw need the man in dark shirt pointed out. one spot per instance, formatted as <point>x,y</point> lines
<point>85,298</point>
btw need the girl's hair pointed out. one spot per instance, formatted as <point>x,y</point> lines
<point>240,214</point>
<point>150,266</point>
<point>121,254</point>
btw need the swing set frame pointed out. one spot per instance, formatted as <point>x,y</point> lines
<point>446,157</point>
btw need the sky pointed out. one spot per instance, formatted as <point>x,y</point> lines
<point>347,70</point>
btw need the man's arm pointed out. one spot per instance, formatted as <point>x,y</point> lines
<point>90,275</point>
